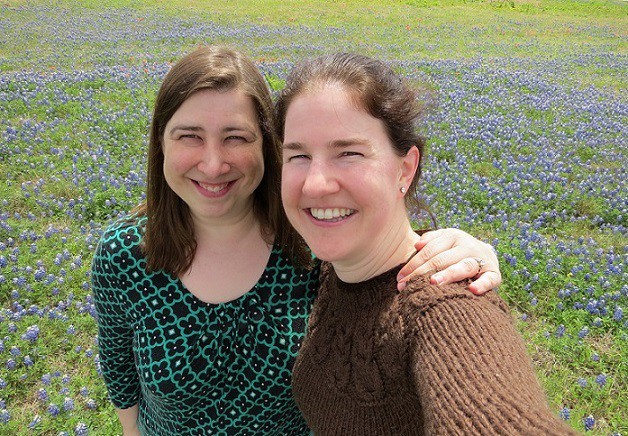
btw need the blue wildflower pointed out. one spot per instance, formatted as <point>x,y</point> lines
<point>35,422</point>
<point>601,380</point>
<point>583,382</point>
<point>42,395</point>
<point>565,413</point>
<point>81,429</point>
<point>597,322</point>
<point>68,404</point>
<point>5,416</point>
<point>53,409</point>
<point>589,423</point>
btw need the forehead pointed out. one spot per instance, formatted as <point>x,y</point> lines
<point>219,105</point>
<point>328,111</point>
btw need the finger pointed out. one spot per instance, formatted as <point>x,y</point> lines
<point>435,264</point>
<point>442,244</point>
<point>464,269</point>
<point>448,232</point>
<point>428,257</point>
<point>487,281</point>
<point>461,238</point>
<point>440,249</point>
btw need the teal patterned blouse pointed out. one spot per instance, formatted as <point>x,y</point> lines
<point>197,368</point>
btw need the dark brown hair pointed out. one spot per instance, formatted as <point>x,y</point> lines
<point>373,87</point>
<point>169,241</point>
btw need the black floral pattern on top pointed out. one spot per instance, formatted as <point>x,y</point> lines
<point>197,368</point>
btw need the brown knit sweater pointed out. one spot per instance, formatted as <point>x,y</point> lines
<point>429,360</point>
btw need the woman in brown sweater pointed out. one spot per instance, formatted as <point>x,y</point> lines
<point>428,360</point>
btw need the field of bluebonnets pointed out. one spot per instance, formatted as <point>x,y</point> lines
<point>527,150</point>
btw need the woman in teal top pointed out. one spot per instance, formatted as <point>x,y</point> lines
<point>196,367</point>
<point>203,291</point>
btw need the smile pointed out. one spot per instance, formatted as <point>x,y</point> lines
<point>213,187</point>
<point>331,215</point>
<point>213,190</point>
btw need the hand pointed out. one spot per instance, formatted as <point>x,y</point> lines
<point>452,254</point>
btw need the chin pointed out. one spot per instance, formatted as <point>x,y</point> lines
<point>328,254</point>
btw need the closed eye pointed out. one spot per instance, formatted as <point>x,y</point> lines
<point>239,139</point>
<point>297,157</point>
<point>189,135</point>
<point>350,153</point>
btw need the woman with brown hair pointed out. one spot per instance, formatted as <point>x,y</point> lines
<point>429,360</point>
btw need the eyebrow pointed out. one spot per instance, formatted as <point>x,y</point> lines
<point>200,129</point>
<point>338,143</point>
<point>184,127</point>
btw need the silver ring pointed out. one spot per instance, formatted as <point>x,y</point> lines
<point>481,262</point>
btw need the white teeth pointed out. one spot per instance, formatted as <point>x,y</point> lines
<point>330,214</point>
<point>213,188</point>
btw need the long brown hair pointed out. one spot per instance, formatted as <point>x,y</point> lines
<point>373,87</point>
<point>169,243</point>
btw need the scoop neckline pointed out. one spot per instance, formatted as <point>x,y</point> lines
<point>242,298</point>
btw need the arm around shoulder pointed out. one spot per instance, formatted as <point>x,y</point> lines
<point>470,367</point>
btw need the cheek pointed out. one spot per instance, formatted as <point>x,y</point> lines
<point>176,159</point>
<point>291,192</point>
<point>255,162</point>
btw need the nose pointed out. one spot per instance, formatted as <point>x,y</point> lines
<point>320,180</point>
<point>213,162</point>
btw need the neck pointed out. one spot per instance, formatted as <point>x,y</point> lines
<point>225,236</point>
<point>393,247</point>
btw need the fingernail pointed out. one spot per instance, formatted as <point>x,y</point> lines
<point>400,277</point>
<point>438,279</point>
<point>401,286</point>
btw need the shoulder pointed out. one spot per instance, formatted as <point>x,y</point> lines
<point>123,234</point>
<point>421,297</point>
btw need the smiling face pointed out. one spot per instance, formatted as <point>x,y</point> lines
<point>213,159</point>
<point>341,178</point>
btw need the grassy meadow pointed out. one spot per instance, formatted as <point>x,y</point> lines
<point>528,117</point>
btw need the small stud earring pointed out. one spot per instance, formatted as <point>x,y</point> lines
<point>403,189</point>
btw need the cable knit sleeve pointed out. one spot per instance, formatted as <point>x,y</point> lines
<point>470,366</point>
<point>110,284</point>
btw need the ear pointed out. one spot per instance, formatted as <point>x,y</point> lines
<point>409,165</point>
